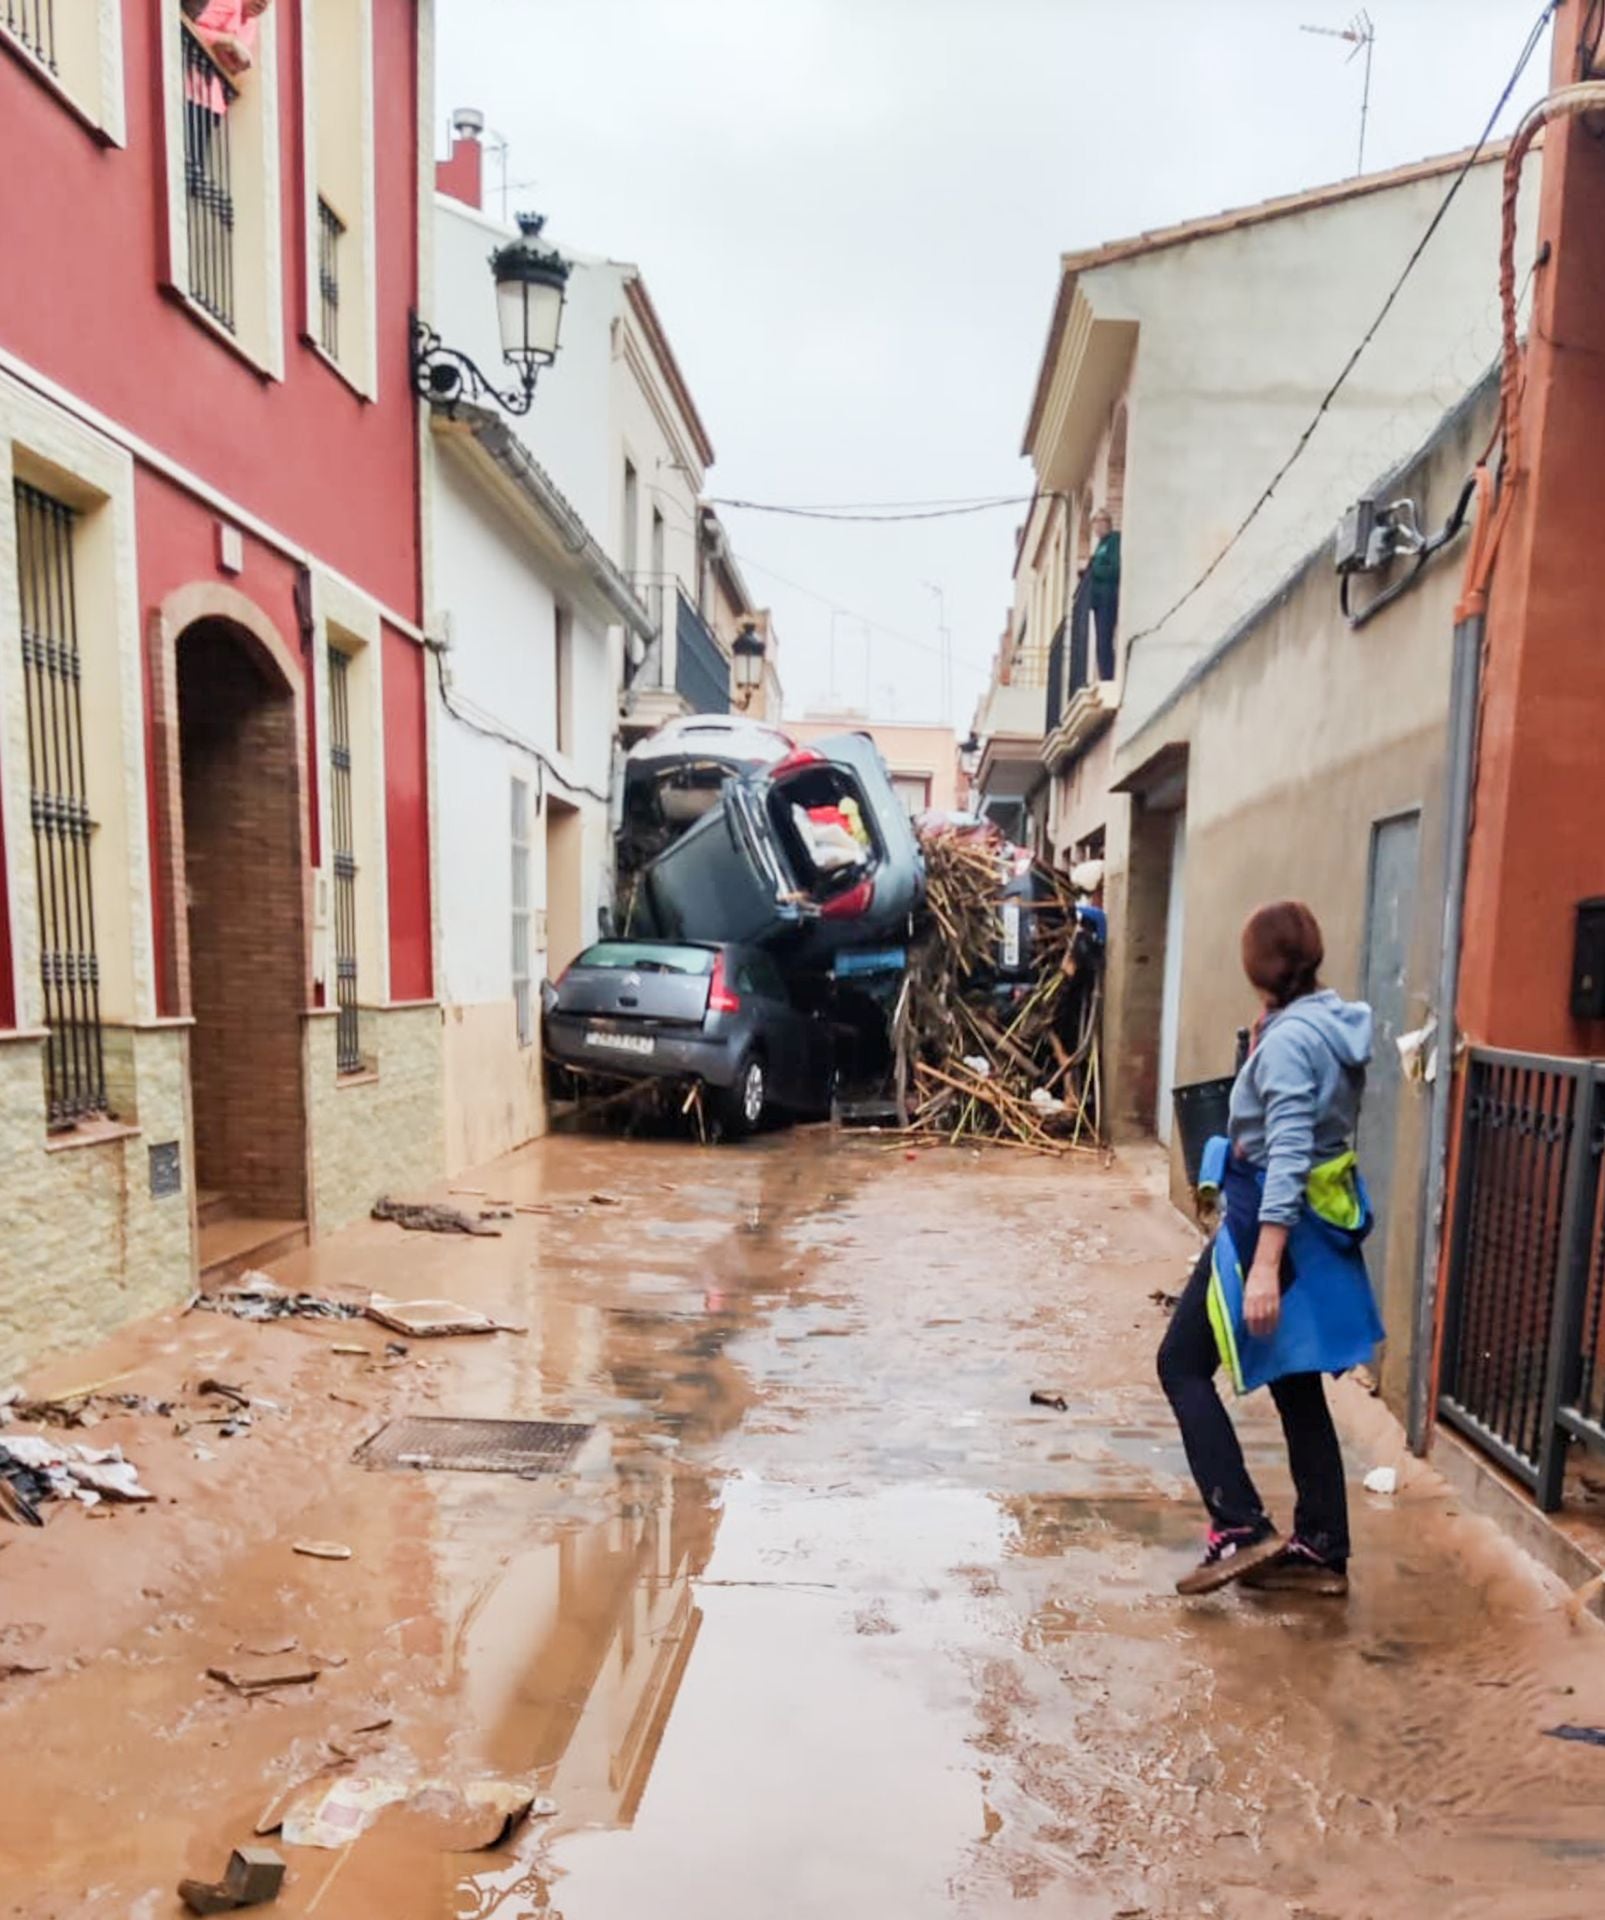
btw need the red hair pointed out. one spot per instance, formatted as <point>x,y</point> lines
<point>1283,951</point>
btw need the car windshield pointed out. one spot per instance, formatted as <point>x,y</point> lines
<point>647,956</point>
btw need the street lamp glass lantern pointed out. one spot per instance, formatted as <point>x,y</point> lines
<point>747,657</point>
<point>531,282</point>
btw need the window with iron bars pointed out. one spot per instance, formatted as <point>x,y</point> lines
<point>330,229</point>
<point>521,942</point>
<point>69,969</point>
<point>348,1023</point>
<point>208,179</point>
<point>33,23</point>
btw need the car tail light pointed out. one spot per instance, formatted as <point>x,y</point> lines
<point>849,905</point>
<point>720,998</point>
<point>794,761</point>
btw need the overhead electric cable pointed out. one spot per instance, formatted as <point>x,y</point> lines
<point>1303,441</point>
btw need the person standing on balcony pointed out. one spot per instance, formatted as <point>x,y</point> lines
<point>1104,590</point>
<point>1295,1213</point>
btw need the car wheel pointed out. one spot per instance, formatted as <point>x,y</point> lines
<point>743,1104</point>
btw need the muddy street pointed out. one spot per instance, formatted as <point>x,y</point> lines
<point>822,1617</point>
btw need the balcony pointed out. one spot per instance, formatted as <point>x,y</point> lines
<point>701,671</point>
<point>1081,694</point>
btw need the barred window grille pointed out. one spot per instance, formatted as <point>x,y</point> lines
<point>69,970</point>
<point>330,230</point>
<point>348,1032</point>
<point>208,180</point>
<point>33,22</point>
<point>521,941</point>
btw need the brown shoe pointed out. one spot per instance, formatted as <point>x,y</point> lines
<point>1298,1570</point>
<point>1230,1556</point>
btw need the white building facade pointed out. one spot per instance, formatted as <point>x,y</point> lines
<point>567,572</point>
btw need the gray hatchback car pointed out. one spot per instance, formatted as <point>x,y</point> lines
<point>703,1011</point>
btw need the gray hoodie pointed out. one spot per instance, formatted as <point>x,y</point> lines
<point>1296,1102</point>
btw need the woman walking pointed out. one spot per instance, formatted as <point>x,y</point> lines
<point>1293,1112</point>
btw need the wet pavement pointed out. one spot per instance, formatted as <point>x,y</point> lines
<point>824,1618</point>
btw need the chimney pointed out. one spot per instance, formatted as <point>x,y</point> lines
<point>463,175</point>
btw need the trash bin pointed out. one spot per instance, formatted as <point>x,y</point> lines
<point>1201,1110</point>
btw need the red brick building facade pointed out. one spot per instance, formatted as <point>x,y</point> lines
<point>217,1029</point>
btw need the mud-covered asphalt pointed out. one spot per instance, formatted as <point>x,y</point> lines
<point>826,1619</point>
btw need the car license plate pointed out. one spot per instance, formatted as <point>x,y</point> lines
<point>1011,935</point>
<point>619,1042</point>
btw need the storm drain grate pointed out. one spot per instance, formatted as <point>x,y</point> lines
<point>429,1443</point>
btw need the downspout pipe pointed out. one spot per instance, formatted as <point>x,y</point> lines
<point>1464,684</point>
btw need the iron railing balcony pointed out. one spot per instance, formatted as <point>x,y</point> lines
<point>701,671</point>
<point>331,229</point>
<point>208,179</point>
<point>33,24</point>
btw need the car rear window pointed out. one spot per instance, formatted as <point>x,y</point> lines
<point>648,956</point>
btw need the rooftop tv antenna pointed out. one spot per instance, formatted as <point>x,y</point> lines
<point>1361,34</point>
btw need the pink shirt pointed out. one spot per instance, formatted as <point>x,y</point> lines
<point>219,18</point>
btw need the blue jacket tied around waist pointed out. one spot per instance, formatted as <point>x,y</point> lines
<point>1329,1320</point>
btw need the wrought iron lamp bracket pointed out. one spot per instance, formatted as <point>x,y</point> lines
<point>443,376</point>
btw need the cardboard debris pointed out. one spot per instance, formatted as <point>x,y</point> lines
<point>321,1549</point>
<point>432,1319</point>
<point>265,1673</point>
<point>455,1816</point>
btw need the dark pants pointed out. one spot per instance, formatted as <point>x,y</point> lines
<point>1187,1364</point>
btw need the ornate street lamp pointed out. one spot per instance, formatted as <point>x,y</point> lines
<point>747,657</point>
<point>531,283</point>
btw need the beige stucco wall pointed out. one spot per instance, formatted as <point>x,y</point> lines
<point>1301,737</point>
<point>928,752</point>
<point>493,1086</point>
<point>86,1248</point>
<point>1239,337</point>
<point>378,1133</point>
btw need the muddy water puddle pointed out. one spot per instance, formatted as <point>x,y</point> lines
<point>827,1620</point>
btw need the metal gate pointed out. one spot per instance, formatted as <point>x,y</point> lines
<point>1523,1372</point>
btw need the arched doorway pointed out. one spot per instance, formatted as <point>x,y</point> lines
<point>244,906</point>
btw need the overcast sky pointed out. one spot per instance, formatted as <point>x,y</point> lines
<point>850,214</point>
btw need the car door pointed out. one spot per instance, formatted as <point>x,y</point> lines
<point>720,880</point>
<point>777,1023</point>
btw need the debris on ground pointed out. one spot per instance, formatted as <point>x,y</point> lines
<point>57,1470</point>
<point>255,1297</point>
<point>606,1200</point>
<point>423,1217</point>
<point>432,1319</point>
<point>1382,1480</point>
<point>321,1549</point>
<point>1166,1302</point>
<point>983,1058</point>
<point>254,1877</point>
<point>22,1489</point>
<point>1055,1400</point>
<point>83,1407</point>
<point>1585,1736</point>
<point>266,1673</point>
<point>457,1817</point>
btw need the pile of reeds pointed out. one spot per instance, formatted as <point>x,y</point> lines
<point>975,1067</point>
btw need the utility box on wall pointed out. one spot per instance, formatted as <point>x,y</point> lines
<point>1588,961</point>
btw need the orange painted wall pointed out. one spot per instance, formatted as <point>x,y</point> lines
<point>1538,833</point>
